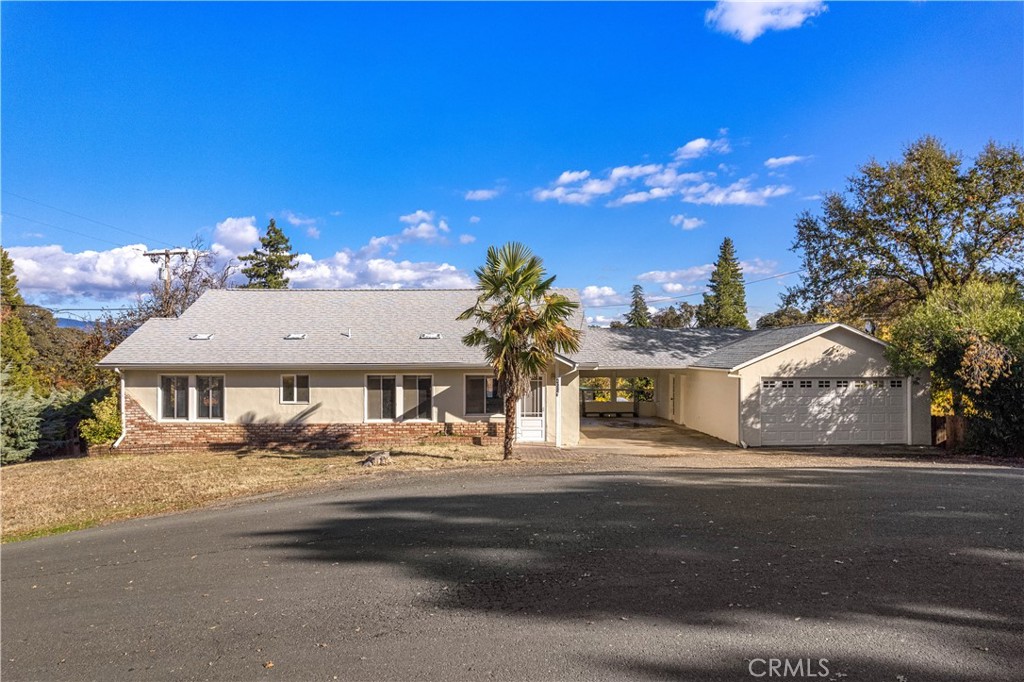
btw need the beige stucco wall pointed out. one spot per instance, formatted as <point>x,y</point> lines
<point>338,396</point>
<point>836,353</point>
<point>709,401</point>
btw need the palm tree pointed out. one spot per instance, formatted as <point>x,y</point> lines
<point>521,323</point>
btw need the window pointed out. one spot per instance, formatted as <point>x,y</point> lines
<point>787,383</point>
<point>174,397</point>
<point>860,383</point>
<point>417,397</point>
<point>483,396</point>
<point>877,383</point>
<point>380,397</point>
<point>768,383</point>
<point>210,397</point>
<point>896,383</point>
<point>806,383</point>
<point>824,383</point>
<point>295,388</point>
<point>842,383</point>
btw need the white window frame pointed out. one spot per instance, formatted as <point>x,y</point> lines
<point>400,400</point>
<point>366,399</point>
<point>295,383</point>
<point>194,398</point>
<point>160,398</point>
<point>465,397</point>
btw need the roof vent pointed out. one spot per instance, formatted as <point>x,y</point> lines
<point>433,336</point>
<point>200,337</point>
<point>295,337</point>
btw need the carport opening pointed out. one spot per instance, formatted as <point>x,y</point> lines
<point>609,396</point>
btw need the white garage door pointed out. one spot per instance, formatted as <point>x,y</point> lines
<point>833,411</point>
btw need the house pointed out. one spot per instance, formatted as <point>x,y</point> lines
<point>340,368</point>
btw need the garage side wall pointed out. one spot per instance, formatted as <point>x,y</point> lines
<point>710,400</point>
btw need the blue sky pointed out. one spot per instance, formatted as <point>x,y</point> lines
<point>394,142</point>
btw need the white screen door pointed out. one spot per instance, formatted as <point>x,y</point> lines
<point>530,420</point>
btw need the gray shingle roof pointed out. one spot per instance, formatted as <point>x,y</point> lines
<point>756,344</point>
<point>651,348</point>
<point>249,329</point>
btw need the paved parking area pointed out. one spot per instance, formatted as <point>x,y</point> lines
<point>542,572</point>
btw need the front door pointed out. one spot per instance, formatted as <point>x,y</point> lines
<point>530,418</point>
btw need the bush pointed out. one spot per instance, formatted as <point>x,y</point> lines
<point>19,423</point>
<point>59,420</point>
<point>105,424</point>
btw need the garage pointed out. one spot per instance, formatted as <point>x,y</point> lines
<point>833,410</point>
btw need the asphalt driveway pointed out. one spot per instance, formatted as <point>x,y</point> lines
<point>888,573</point>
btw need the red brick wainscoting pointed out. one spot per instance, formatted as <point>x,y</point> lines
<point>146,434</point>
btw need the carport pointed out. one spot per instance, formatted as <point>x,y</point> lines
<point>650,436</point>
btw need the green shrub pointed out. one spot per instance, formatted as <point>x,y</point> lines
<point>105,424</point>
<point>19,422</point>
<point>59,420</point>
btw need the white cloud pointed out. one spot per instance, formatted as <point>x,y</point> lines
<point>347,270</point>
<point>474,219</point>
<point>620,173</point>
<point>780,161</point>
<point>758,267</point>
<point>643,196</point>
<point>701,146</point>
<point>594,295</point>
<point>670,177</point>
<point>749,20</point>
<point>677,289</point>
<point>664,181</point>
<point>602,320</point>
<point>482,194</point>
<point>419,216</point>
<point>562,195</point>
<point>297,220</point>
<point>234,236</point>
<point>466,239</point>
<point>685,222</point>
<point>51,273</point>
<point>312,232</point>
<point>691,274</point>
<point>569,177</point>
<point>738,193</point>
<point>692,280</point>
<point>335,213</point>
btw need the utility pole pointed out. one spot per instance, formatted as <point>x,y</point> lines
<point>154,257</point>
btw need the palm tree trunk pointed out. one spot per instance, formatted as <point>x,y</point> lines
<point>510,426</point>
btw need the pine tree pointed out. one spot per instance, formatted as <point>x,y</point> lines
<point>19,421</point>
<point>268,265</point>
<point>638,315</point>
<point>725,302</point>
<point>15,345</point>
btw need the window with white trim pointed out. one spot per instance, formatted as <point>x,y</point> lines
<point>896,383</point>
<point>174,397</point>
<point>210,397</point>
<point>842,383</point>
<point>381,394</point>
<point>417,397</point>
<point>787,383</point>
<point>768,383</point>
<point>295,389</point>
<point>824,383</point>
<point>483,396</point>
<point>806,383</point>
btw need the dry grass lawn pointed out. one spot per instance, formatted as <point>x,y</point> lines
<point>47,497</point>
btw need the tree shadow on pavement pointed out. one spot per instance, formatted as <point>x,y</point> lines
<point>931,554</point>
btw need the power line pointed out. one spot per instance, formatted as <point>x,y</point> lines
<point>58,227</point>
<point>91,220</point>
<point>695,293</point>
